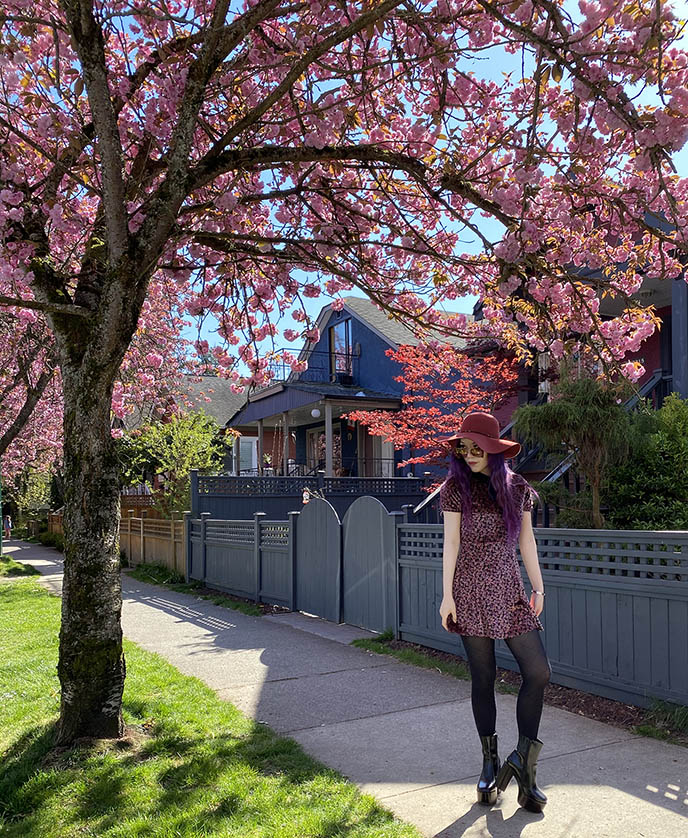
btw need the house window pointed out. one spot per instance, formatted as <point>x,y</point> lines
<point>340,348</point>
<point>248,454</point>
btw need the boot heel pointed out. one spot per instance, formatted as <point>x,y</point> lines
<point>526,801</point>
<point>506,772</point>
<point>488,797</point>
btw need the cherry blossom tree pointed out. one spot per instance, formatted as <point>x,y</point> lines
<point>151,375</point>
<point>442,383</point>
<point>251,155</point>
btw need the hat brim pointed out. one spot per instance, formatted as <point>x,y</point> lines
<point>487,443</point>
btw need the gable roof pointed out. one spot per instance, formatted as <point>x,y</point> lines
<point>214,395</point>
<point>393,331</point>
<point>209,393</point>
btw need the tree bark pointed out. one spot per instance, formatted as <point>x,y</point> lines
<point>91,664</point>
<point>597,519</point>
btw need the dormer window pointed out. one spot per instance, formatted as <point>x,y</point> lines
<point>341,349</point>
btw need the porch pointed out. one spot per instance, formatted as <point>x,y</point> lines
<point>299,430</point>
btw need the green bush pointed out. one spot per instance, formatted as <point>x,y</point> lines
<point>52,539</point>
<point>650,490</point>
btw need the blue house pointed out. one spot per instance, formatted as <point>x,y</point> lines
<point>295,426</point>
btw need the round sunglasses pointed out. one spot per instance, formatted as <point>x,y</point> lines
<point>474,450</point>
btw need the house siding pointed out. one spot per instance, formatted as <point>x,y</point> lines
<point>375,371</point>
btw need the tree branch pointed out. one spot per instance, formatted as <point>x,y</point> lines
<point>163,207</point>
<point>90,46</point>
<point>33,394</point>
<point>50,308</point>
<point>356,26</point>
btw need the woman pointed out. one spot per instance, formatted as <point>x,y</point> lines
<point>7,527</point>
<point>486,510</point>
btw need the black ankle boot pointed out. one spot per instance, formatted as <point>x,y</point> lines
<point>521,764</point>
<point>487,784</point>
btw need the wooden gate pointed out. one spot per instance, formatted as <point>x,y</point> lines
<point>318,561</point>
<point>369,565</point>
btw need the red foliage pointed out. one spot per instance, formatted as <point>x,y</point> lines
<point>442,383</point>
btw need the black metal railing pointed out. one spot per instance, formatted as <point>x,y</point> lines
<point>331,367</point>
<point>346,467</point>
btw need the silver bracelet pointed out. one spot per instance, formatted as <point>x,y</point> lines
<point>542,593</point>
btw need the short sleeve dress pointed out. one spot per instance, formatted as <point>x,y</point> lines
<point>488,588</point>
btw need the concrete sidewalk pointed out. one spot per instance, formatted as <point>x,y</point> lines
<point>403,734</point>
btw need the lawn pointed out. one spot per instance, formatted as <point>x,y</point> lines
<point>190,765</point>
<point>8,567</point>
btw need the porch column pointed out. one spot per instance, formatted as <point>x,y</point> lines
<point>360,449</point>
<point>679,336</point>
<point>236,456</point>
<point>260,446</point>
<point>328,440</point>
<point>285,442</point>
<point>407,456</point>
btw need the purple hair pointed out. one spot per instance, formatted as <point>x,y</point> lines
<point>501,479</point>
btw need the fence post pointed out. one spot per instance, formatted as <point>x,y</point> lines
<point>143,538</point>
<point>204,546</point>
<point>186,546</point>
<point>130,512</point>
<point>397,519</point>
<point>257,518</point>
<point>397,581</point>
<point>293,519</point>
<point>406,511</point>
<point>194,493</point>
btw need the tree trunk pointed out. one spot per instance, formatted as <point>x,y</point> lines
<point>91,664</point>
<point>597,519</point>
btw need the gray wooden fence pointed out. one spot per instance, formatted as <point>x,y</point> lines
<point>616,615</point>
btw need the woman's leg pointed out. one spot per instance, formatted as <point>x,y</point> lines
<point>532,660</point>
<point>481,660</point>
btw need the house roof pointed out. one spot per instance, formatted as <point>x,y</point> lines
<point>393,331</point>
<point>208,392</point>
<point>291,396</point>
<point>214,395</point>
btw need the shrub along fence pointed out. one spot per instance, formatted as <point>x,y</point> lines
<point>616,615</point>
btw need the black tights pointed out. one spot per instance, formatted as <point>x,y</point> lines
<point>532,660</point>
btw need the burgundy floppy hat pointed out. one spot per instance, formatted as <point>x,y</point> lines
<point>483,429</point>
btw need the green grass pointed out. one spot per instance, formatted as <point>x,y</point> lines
<point>8,567</point>
<point>664,720</point>
<point>191,765</point>
<point>159,575</point>
<point>422,659</point>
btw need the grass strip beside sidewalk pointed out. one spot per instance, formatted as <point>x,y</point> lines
<point>190,764</point>
<point>155,574</point>
<point>8,567</point>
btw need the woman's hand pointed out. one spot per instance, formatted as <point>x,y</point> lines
<point>447,607</point>
<point>537,603</point>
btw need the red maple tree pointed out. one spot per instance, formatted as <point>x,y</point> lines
<point>442,383</point>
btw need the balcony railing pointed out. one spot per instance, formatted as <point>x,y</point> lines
<point>332,367</point>
<point>348,467</point>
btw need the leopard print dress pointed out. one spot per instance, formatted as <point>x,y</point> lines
<point>487,587</point>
